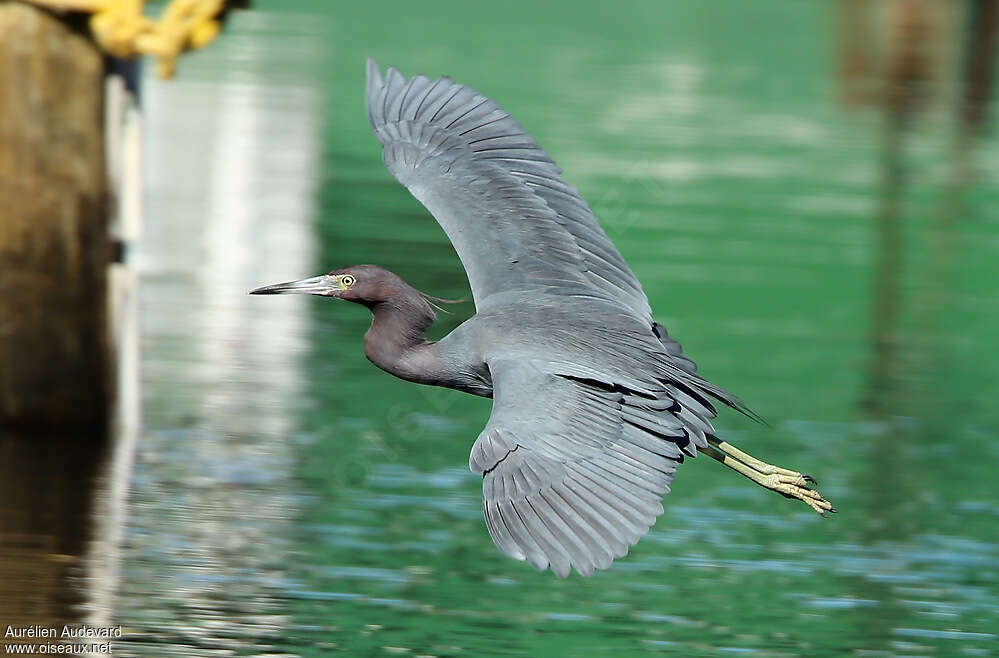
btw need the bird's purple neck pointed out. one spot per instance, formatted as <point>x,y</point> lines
<point>396,341</point>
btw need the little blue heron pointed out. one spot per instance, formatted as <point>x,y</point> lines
<point>594,404</point>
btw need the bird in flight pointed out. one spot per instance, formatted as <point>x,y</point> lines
<point>594,403</point>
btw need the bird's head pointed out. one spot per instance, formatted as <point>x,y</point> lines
<point>363,284</point>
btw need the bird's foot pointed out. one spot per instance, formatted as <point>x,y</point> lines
<point>788,483</point>
<point>795,486</point>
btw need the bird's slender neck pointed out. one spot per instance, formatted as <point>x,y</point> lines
<point>396,341</point>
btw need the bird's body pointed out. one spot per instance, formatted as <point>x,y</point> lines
<point>583,336</point>
<point>594,404</point>
<point>585,332</point>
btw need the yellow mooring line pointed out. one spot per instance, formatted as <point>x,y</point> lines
<point>122,30</point>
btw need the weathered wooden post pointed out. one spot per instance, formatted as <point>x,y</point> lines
<point>70,189</point>
<point>55,362</point>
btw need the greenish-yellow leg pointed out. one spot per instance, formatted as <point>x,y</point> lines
<point>786,482</point>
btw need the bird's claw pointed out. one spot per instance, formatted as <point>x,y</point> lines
<point>800,491</point>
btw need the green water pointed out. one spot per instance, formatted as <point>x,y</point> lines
<point>707,138</point>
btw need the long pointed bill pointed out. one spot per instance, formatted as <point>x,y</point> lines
<point>323,284</point>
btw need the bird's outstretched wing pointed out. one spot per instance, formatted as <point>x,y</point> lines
<point>514,222</point>
<point>574,466</point>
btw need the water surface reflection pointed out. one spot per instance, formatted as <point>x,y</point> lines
<point>50,487</point>
<point>231,159</point>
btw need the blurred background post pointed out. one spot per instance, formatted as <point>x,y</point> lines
<point>55,246</point>
<point>56,377</point>
<point>70,207</point>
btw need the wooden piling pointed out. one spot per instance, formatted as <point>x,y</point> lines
<point>55,363</point>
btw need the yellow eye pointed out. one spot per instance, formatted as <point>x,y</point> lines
<point>347,280</point>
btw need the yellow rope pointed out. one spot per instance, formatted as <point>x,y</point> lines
<point>122,30</point>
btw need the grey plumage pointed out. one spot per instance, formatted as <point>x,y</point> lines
<point>594,404</point>
<point>463,157</point>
